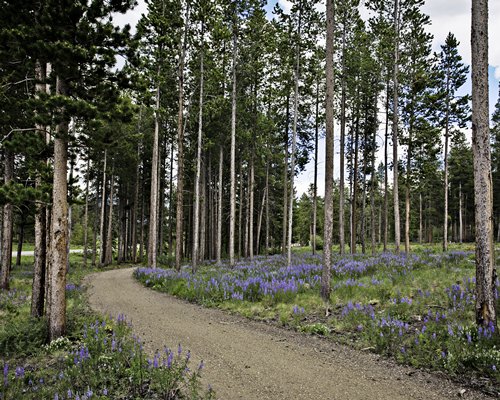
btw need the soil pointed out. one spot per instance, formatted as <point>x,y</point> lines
<point>246,359</point>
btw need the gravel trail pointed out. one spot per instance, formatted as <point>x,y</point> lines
<point>251,360</point>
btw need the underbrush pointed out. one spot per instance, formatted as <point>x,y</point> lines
<point>417,309</point>
<point>99,358</point>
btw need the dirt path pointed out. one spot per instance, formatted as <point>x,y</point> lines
<point>252,360</point>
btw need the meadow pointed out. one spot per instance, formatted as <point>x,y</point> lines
<point>99,358</point>
<point>417,309</point>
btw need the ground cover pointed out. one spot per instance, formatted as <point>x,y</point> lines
<point>98,359</point>
<point>418,309</point>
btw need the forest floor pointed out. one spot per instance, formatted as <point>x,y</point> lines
<point>246,359</point>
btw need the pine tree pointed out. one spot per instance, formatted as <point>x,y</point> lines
<point>451,75</point>
<point>483,190</point>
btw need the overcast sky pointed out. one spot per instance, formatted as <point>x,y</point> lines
<point>446,16</point>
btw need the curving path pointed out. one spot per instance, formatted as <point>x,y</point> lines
<point>251,360</point>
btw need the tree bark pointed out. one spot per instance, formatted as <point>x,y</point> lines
<point>460,225</point>
<point>294,139</point>
<point>315,187</point>
<point>330,81</point>
<point>395,123</point>
<point>342,149</point>
<point>59,255</point>
<point>386,170</point>
<point>196,219</point>
<point>232,200</point>
<point>219,208</point>
<point>103,209</point>
<point>180,149</point>
<point>108,257</point>
<point>8,223</point>
<point>86,215</point>
<point>483,193</point>
<point>153,200</point>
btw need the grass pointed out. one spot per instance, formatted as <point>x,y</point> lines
<point>418,309</point>
<point>99,358</point>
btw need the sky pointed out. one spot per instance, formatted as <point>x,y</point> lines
<point>445,15</point>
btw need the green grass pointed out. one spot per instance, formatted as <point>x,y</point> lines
<point>419,312</point>
<point>97,355</point>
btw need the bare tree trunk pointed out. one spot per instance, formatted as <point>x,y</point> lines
<point>171,203</point>
<point>294,139</point>
<point>103,209</point>
<point>153,205</point>
<point>446,139</point>
<point>141,236</point>
<point>96,212</point>
<point>407,189</point>
<point>247,217</point>
<point>372,190</point>
<point>8,222</point>
<point>20,241</point>
<point>86,215</point>
<point>330,81</point>
<point>250,208</point>
<point>386,170</point>
<point>420,219</point>
<point>180,150</point>
<point>135,207</point>
<point>342,151</point>
<point>460,228</point>
<point>354,200</point>
<point>108,257</point>
<point>267,210</point>
<point>59,255</point>
<point>315,187</point>
<point>232,200</point>
<point>395,123</point>
<point>483,187</point>
<point>203,217</point>
<point>259,222</point>
<point>219,208</point>
<point>196,211</point>
<point>240,214</point>
<point>285,178</point>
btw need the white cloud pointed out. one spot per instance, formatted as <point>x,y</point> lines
<point>455,16</point>
<point>286,5</point>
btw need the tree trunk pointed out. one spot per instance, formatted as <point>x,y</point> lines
<point>20,242</point>
<point>420,219</point>
<point>483,193</point>
<point>8,222</point>
<point>267,210</point>
<point>96,213</point>
<point>108,257</point>
<point>250,210</point>
<point>219,208</point>
<point>180,150</point>
<point>354,200</point>
<point>386,170</point>
<point>153,200</point>
<point>59,255</point>
<point>259,222</point>
<point>342,149</point>
<point>40,250</point>
<point>196,219</point>
<point>372,190</point>
<point>460,225</point>
<point>86,215</point>
<point>103,209</point>
<point>294,140</point>
<point>408,187</point>
<point>203,217</point>
<point>232,200</point>
<point>395,122</point>
<point>315,187</point>
<point>240,214</point>
<point>330,81</point>
<point>446,139</point>
<point>285,178</point>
